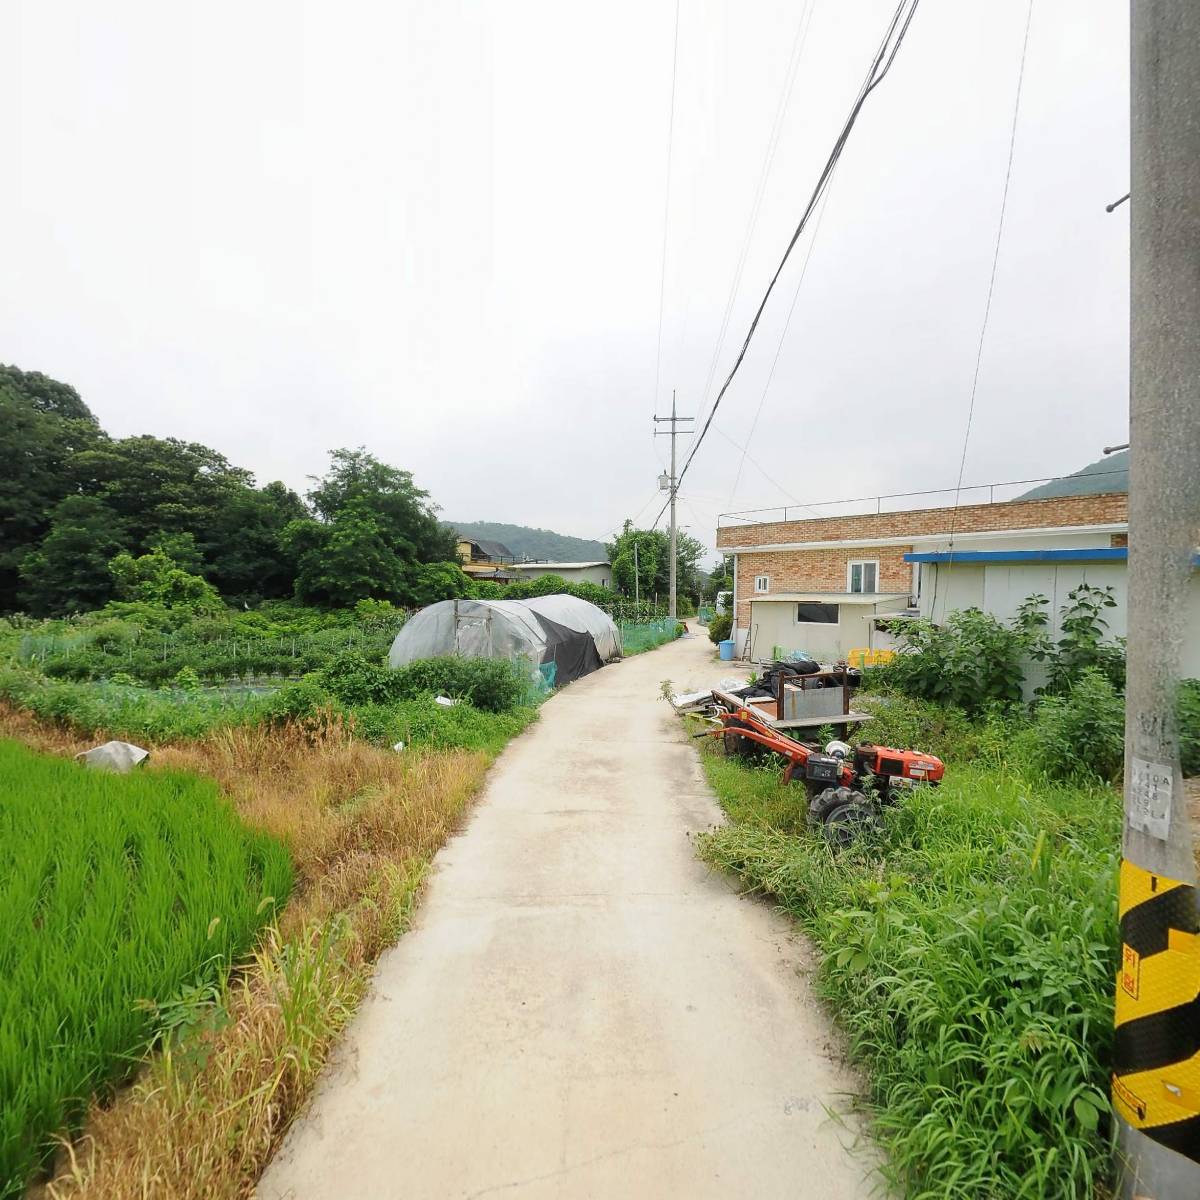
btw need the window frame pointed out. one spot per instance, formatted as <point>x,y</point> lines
<point>823,604</point>
<point>861,562</point>
<point>765,580</point>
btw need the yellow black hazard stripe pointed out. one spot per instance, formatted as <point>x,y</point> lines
<point>1156,1060</point>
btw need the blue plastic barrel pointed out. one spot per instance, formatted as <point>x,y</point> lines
<point>726,649</point>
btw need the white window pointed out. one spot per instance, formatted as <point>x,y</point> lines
<point>762,583</point>
<point>862,575</point>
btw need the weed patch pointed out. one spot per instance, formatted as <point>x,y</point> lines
<point>967,950</point>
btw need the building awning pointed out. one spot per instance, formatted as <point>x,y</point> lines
<point>1098,554</point>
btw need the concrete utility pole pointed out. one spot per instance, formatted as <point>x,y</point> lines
<point>673,485</point>
<point>1154,1072</point>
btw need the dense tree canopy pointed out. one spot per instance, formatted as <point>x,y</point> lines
<point>81,514</point>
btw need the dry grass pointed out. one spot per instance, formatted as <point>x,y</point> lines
<point>362,825</point>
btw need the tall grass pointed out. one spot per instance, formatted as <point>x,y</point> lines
<point>117,892</point>
<point>362,824</point>
<point>968,952</point>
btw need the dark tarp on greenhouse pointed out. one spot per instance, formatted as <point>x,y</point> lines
<point>572,653</point>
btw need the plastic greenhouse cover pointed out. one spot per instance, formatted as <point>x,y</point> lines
<point>499,629</point>
<point>471,628</point>
<point>581,616</point>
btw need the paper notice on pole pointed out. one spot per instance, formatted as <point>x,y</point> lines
<point>1150,798</point>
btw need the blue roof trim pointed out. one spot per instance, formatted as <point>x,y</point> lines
<point>1098,554</point>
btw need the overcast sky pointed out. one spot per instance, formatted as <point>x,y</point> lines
<point>435,229</point>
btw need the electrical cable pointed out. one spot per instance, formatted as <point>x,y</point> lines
<point>875,75</point>
<point>798,44</point>
<point>782,338</point>
<point>987,308</point>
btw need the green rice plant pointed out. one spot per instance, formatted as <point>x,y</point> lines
<point>968,952</point>
<point>122,897</point>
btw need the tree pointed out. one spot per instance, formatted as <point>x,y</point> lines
<point>426,583</point>
<point>45,395</point>
<point>69,572</point>
<point>247,557</point>
<point>156,578</point>
<point>402,511</point>
<point>654,562</point>
<point>43,424</point>
<point>347,560</point>
<point>161,485</point>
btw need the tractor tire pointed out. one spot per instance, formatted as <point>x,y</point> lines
<point>824,802</point>
<point>847,822</point>
<point>740,746</point>
<point>841,814</point>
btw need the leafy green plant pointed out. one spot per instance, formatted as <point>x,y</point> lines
<point>720,627</point>
<point>125,889</point>
<point>1080,734</point>
<point>1188,704</point>
<point>494,684</point>
<point>1081,646</point>
<point>972,660</point>
<point>967,952</point>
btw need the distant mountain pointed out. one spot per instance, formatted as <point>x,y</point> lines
<point>533,543</point>
<point>1109,474</point>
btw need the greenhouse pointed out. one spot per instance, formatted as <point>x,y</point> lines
<point>573,635</point>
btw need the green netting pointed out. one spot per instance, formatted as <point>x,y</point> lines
<point>646,635</point>
<point>704,614</point>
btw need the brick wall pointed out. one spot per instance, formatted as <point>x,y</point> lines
<point>817,571</point>
<point>1100,509</point>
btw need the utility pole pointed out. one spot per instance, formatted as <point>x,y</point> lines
<point>673,486</point>
<point>1156,1103</point>
<point>636,597</point>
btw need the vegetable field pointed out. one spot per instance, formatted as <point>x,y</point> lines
<point>119,895</point>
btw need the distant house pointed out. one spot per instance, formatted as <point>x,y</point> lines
<point>599,572</point>
<point>483,559</point>
<point>819,584</point>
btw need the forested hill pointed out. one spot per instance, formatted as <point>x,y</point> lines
<point>533,543</point>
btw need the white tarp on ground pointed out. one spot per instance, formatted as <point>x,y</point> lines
<point>114,756</point>
<point>583,618</point>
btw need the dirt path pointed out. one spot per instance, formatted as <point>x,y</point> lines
<point>583,1008</point>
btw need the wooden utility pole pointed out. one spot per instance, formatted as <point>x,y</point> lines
<point>673,486</point>
<point>1155,1071</point>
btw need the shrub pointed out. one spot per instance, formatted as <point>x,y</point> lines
<point>969,661</point>
<point>1081,734</point>
<point>720,627</point>
<point>494,684</point>
<point>422,723</point>
<point>355,679</point>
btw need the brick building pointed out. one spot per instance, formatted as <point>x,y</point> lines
<point>817,584</point>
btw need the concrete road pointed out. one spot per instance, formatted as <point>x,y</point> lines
<point>583,1009</point>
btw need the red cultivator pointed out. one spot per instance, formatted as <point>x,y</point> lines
<point>845,785</point>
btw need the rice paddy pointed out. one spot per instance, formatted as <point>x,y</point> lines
<point>120,898</point>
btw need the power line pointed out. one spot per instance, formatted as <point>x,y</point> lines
<point>987,308</point>
<point>875,75</point>
<point>782,338</point>
<point>662,286</point>
<point>798,44</point>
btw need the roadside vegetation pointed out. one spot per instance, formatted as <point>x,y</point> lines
<point>115,890</point>
<point>969,946</point>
